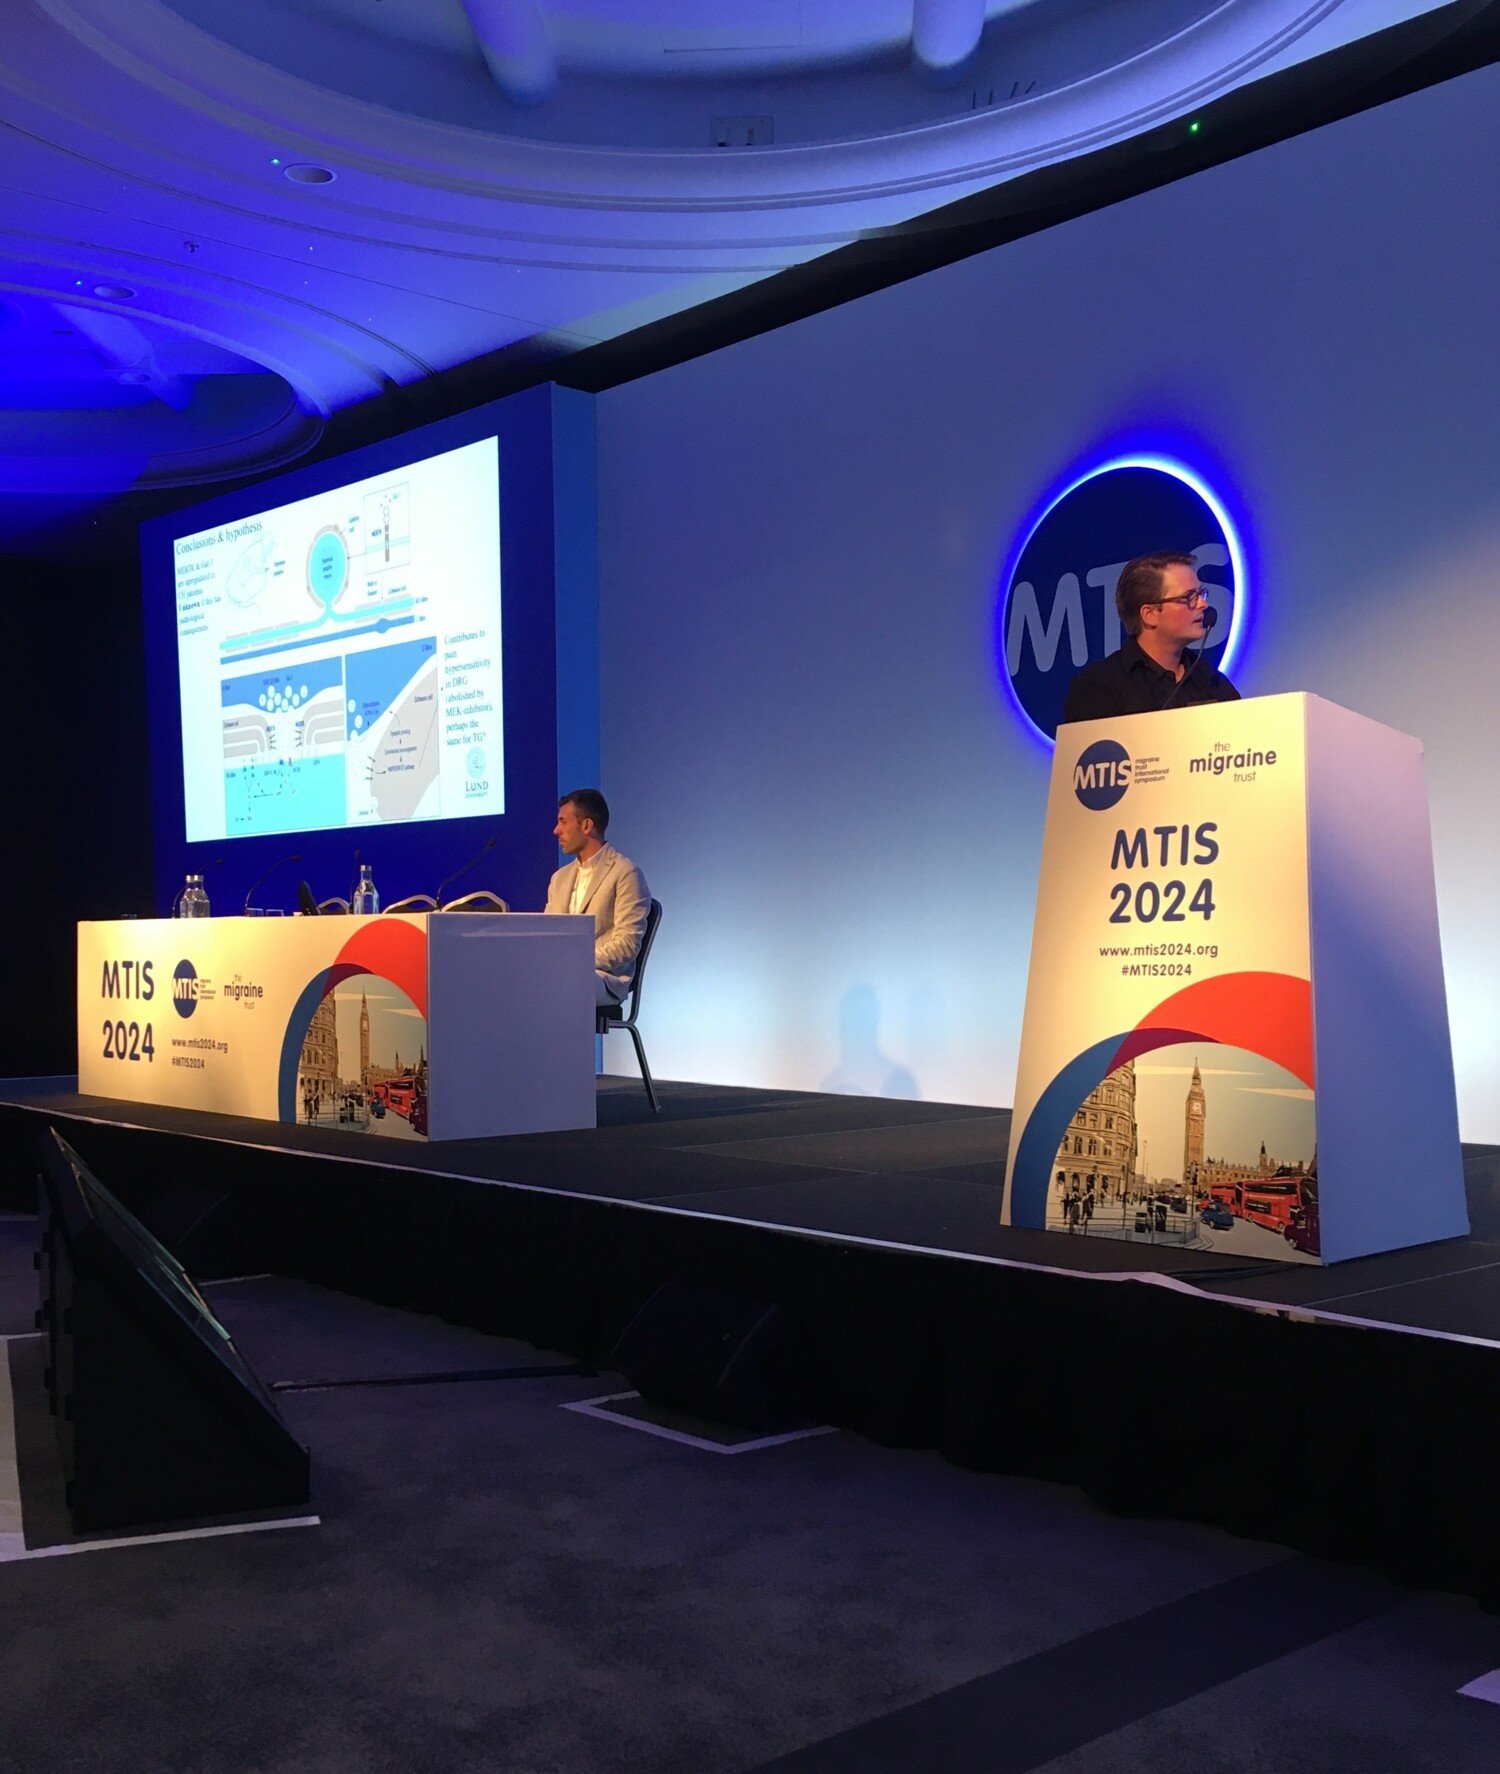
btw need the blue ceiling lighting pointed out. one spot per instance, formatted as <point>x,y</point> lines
<point>94,399</point>
<point>461,177</point>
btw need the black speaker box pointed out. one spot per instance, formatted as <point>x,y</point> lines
<point>717,1354</point>
<point>200,1223</point>
<point>159,1417</point>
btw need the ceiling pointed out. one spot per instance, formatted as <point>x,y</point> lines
<point>222,222</point>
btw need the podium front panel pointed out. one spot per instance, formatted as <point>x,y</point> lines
<point>1167,1056</point>
<point>1236,1036</point>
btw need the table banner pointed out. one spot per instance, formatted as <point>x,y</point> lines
<point>291,1019</point>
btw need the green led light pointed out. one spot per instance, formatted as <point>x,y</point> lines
<point>1195,127</point>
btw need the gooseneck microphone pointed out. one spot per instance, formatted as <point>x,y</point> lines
<point>473,862</point>
<point>256,885</point>
<point>1210,617</point>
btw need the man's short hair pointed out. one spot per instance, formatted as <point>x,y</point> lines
<point>1140,583</point>
<point>588,803</point>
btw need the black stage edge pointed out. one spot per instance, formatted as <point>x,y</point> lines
<point>873,1224</point>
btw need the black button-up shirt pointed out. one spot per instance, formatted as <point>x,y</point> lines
<point>1130,682</point>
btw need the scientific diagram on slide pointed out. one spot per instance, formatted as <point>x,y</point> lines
<point>391,736</point>
<point>283,750</point>
<point>340,657</point>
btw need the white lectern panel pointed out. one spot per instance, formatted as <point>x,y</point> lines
<point>1387,1107</point>
<point>1235,1033</point>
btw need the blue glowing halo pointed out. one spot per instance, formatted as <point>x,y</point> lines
<point>1157,462</point>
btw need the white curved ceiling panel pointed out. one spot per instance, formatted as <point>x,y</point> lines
<point>431,217</point>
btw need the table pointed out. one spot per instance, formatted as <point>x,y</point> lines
<point>445,1025</point>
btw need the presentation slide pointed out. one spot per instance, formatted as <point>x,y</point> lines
<point>340,656</point>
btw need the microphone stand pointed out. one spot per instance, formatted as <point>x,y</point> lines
<point>1210,617</point>
<point>473,862</point>
<point>255,886</point>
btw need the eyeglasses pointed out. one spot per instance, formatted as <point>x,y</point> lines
<point>1191,598</point>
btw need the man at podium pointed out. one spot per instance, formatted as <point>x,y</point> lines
<point>1164,611</point>
<point>600,880</point>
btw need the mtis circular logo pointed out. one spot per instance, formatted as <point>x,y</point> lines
<point>1102,774</point>
<point>184,988</point>
<point>1057,609</point>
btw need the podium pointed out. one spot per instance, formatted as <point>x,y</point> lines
<point>445,1025</point>
<point>1236,1034</point>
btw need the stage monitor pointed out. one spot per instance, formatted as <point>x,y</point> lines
<point>339,657</point>
<point>160,1417</point>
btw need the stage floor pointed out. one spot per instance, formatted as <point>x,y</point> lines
<point>870,1170</point>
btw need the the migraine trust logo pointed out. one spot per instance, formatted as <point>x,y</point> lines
<point>1057,608</point>
<point>1102,774</point>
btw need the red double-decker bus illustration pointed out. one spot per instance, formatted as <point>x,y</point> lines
<point>398,1094</point>
<point>1271,1201</point>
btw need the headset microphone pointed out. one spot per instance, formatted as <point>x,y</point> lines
<point>1210,617</point>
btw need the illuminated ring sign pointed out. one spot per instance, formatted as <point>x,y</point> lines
<point>1058,608</point>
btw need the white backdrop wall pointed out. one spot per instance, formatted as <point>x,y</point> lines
<point>801,540</point>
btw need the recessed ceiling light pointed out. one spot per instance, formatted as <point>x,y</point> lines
<point>310,175</point>
<point>114,292</point>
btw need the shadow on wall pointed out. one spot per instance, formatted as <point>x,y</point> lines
<point>863,1069</point>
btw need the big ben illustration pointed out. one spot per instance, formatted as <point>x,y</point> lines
<point>1192,1134</point>
<point>364,1039</point>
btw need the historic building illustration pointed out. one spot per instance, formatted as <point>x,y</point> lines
<point>1098,1151</point>
<point>1208,1175</point>
<point>371,1071</point>
<point>318,1068</point>
<point>1192,1133</point>
<point>1215,1173</point>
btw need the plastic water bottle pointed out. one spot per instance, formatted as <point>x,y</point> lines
<point>192,902</point>
<point>366,900</point>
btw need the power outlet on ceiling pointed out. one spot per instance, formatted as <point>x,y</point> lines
<point>982,97</point>
<point>742,132</point>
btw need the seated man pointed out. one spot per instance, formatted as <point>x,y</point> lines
<point>601,881</point>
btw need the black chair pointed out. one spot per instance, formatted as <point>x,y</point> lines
<point>616,1016</point>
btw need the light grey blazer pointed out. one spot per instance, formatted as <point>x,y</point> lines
<point>619,899</point>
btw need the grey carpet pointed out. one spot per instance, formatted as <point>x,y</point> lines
<point>502,1585</point>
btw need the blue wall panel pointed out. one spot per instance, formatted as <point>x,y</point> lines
<point>802,538</point>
